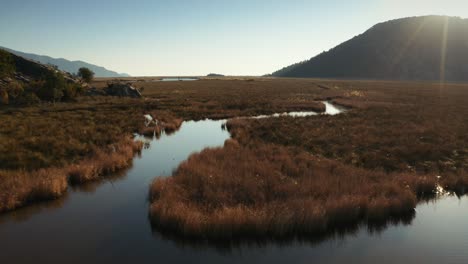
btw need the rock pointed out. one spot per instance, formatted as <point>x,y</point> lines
<point>122,90</point>
<point>21,77</point>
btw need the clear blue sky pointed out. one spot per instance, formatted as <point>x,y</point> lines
<point>196,37</point>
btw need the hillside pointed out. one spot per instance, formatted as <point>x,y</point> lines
<point>402,49</point>
<point>27,82</point>
<point>68,66</point>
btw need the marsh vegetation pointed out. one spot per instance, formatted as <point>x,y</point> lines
<point>293,176</point>
<point>276,177</point>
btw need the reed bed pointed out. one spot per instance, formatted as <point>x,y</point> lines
<point>101,163</point>
<point>276,191</point>
<point>19,188</point>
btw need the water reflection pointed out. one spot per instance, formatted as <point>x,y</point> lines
<point>91,187</point>
<point>25,213</point>
<point>330,109</point>
<point>44,207</point>
<point>338,233</point>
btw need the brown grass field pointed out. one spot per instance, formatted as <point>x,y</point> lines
<point>277,177</point>
<point>293,176</point>
<point>274,191</point>
<point>43,147</point>
<point>225,98</point>
<point>47,146</point>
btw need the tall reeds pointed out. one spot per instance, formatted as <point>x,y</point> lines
<point>19,188</point>
<point>273,191</point>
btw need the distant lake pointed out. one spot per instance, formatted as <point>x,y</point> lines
<point>172,79</point>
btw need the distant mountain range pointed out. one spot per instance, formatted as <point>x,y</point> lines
<point>427,48</point>
<point>68,66</point>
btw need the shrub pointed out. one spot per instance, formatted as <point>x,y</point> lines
<point>86,74</point>
<point>52,88</point>
<point>71,91</point>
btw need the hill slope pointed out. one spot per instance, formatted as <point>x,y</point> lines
<point>402,49</point>
<point>27,82</point>
<point>68,66</point>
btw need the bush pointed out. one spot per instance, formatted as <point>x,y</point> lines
<point>86,74</point>
<point>71,91</point>
<point>52,88</point>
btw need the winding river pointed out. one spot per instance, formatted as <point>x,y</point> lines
<point>107,222</point>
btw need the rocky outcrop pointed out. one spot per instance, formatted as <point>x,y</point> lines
<point>122,90</point>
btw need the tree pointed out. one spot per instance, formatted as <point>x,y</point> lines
<point>86,74</point>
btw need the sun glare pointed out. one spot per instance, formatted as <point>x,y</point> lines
<point>443,51</point>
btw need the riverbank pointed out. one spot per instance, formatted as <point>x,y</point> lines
<point>20,188</point>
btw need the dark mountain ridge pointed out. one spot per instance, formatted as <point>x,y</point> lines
<point>429,48</point>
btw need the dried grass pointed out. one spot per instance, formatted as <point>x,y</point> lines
<point>273,191</point>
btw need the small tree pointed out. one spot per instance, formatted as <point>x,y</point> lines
<point>86,74</point>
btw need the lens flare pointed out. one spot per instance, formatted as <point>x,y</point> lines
<point>443,52</point>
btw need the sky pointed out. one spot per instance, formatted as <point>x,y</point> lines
<point>197,37</point>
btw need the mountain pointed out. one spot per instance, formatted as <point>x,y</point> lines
<point>68,66</point>
<point>429,48</point>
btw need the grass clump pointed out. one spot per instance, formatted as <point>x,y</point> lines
<point>117,157</point>
<point>19,188</point>
<point>273,191</point>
